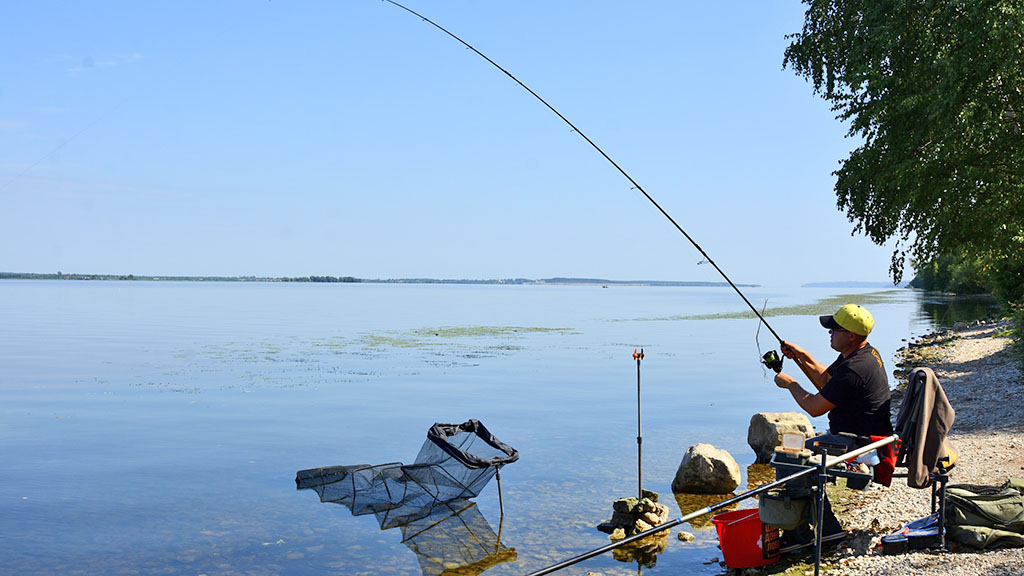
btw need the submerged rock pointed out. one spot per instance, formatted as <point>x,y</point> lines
<point>706,470</point>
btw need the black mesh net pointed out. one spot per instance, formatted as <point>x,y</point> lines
<point>428,499</point>
<point>455,539</point>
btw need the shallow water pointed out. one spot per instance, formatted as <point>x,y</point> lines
<point>156,427</point>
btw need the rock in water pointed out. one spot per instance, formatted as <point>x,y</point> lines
<point>766,430</point>
<point>625,504</point>
<point>706,470</point>
<point>640,526</point>
<point>630,516</point>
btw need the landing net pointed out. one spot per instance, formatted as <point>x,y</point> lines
<point>429,499</point>
<point>455,462</point>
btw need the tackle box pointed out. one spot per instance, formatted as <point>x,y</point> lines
<point>787,463</point>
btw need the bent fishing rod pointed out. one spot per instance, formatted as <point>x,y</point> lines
<point>827,463</point>
<point>617,167</point>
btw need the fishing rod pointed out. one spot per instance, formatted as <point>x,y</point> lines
<point>828,463</point>
<point>609,159</point>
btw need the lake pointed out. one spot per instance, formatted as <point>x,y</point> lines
<point>157,427</point>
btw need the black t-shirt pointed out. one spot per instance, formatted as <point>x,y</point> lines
<point>860,390</point>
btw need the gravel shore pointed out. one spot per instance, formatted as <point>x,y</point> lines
<point>986,389</point>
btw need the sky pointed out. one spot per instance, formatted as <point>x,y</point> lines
<point>351,138</point>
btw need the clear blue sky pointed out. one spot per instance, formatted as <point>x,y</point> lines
<point>279,138</point>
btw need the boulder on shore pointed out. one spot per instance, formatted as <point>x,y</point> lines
<point>706,470</point>
<point>766,430</point>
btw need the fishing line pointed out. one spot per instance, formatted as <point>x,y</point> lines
<point>771,358</point>
<point>60,145</point>
<point>606,157</point>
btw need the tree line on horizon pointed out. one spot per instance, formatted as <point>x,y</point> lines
<point>63,276</point>
<point>349,279</point>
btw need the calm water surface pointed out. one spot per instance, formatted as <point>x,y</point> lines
<point>156,427</point>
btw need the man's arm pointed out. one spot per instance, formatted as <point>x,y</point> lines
<point>815,371</point>
<point>813,404</point>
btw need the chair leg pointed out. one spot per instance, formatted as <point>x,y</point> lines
<point>939,480</point>
<point>943,480</point>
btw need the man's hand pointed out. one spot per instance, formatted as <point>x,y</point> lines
<point>783,380</point>
<point>816,372</point>
<point>793,352</point>
<point>814,404</point>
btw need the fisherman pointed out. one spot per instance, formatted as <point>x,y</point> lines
<point>854,389</point>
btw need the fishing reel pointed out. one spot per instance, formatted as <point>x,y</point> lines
<point>773,360</point>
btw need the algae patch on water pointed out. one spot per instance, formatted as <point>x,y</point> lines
<point>343,359</point>
<point>443,336</point>
<point>816,308</point>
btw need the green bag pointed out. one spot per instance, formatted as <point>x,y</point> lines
<point>986,516</point>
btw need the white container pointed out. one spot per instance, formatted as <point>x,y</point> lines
<point>869,458</point>
<point>792,442</point>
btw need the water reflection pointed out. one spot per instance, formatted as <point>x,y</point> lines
<point>759,475</point>
<point>455,539</point>
<point>691,502</point>
<point>946,310</point>
<point>644,551</point>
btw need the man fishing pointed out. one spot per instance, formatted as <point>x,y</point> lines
<point>854,389</point>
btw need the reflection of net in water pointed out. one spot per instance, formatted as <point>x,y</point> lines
<point>455,540</point>
<point>429,498</point>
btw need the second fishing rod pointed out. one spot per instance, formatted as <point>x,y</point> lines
<point>772,358</point>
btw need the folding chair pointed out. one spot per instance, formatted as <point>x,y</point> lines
<point>924,419</point>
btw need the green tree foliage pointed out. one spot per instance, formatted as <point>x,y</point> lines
<point>934,90</point>
<point>963,273</point>
<point>948,273</point>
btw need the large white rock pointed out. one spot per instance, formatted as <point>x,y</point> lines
<point>766,430</point>
<point>706,470</point>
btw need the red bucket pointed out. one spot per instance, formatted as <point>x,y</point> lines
<point>745,541</point>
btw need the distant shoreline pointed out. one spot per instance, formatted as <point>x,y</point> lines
<point>350,279</point>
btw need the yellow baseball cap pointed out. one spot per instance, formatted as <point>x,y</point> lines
<point>852,317</point>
